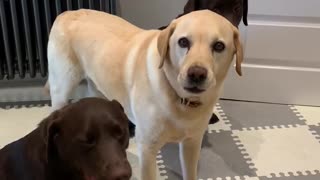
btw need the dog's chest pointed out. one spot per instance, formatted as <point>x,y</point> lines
<point>179,132</point>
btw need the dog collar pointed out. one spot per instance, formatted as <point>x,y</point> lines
<point>190,102</point>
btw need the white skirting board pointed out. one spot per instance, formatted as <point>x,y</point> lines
<point>283,85</point>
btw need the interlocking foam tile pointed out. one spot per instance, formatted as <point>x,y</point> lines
<point>244,115</point>
<point>223,124</point>
<point>234,178</point>
<point>16,123</point>
<point>281,150</point>
<point>309,114</point>
<point>291,176</point>
<point>220,157</point>
<point>252,141</point>
<point>132,155</point>
<point>315,130</point>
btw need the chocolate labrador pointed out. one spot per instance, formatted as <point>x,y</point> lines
<point>233,10</point>
<point>86,140</point>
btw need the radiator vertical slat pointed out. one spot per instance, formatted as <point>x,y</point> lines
<point>1,53</point>
<point>4,27</point>
<point>23,39</point>
<point>107,6</point>
<point>80,4</point>
<point>26,24</point>
<point>112,6</point>
<point>58,7</point>
<point>69,4</point>
<point>1,70</point>
<point>47,15</point>
<point>91,5</point>
<point>39,37</point>
<point>17,41</point>
<point>102,5</point>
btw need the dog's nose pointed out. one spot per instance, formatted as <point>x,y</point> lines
<point>197,74</point>
<point>121,173</point>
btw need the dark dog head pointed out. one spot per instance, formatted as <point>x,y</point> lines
<point>88,140</point>
<point>233,10</point>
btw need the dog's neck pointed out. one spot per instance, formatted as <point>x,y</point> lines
<point>191,102</point>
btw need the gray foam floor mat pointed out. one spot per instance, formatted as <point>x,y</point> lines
<point>256,141</point>
<point>252,141</point>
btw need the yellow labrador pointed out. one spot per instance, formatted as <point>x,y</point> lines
<point>168,81</point>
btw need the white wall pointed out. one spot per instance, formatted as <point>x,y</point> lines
<point>281,54</point>
<point>150,13</point>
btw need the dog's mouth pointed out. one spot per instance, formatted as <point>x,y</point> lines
<point>194,90</point>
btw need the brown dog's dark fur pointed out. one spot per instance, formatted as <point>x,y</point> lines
<point>86,140</point>
<point>233,10</point>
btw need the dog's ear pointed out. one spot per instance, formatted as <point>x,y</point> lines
<point>49,129</point>
<point>116,103</point>
<point>163,42</point>
<point>239,50</point>
<point>245,12</point>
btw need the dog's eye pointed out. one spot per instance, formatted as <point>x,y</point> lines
<point>184,43</point>
<point>218,46</point>
<point>116,131</point>
<point>89,141</point>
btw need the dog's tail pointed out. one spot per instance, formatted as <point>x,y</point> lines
<point>46,88</point>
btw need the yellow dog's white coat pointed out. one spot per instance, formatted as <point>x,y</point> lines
<point>123,61</point>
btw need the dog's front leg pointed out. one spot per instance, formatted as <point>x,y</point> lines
<point>189,156</point>
<point>147,161</point>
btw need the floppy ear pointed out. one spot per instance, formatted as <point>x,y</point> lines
<point>239,50</point>
<point>163,42</point>
<point>245,12</point>
<point>49,129</point>
<point>116,103</point>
